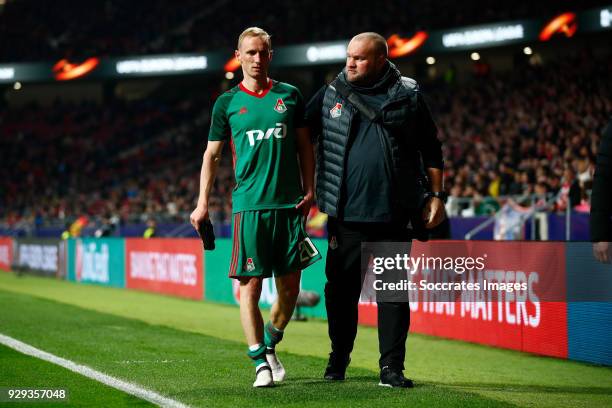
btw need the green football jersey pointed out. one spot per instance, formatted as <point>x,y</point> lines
<point>261,132</point>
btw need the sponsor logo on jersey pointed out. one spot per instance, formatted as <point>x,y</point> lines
<point>250,265</point>
<point>336,111</point>
<point>279,132</point>
<point>242,110</point>
<point>280,106</point>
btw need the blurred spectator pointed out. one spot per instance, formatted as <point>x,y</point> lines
<point>107,228</point>
<point>150,231</point>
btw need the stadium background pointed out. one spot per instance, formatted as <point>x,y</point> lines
<point>102,127</point>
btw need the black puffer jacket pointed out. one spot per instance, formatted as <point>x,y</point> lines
<point>601,198</point>
<point>406,131</point>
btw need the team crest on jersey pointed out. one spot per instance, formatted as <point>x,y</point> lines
<point>280,106</point>
<point>336,111</point>
<point>242,110</point>
<point>250,265</point>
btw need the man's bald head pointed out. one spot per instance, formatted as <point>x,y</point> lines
<point>366,56</point>
<point>377,42</point>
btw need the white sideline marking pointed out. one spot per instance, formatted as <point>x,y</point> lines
<point>124,386</point>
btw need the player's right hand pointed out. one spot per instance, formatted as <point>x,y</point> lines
<point>603,251</point>
<point>198,215</point>
<point>434,212</point>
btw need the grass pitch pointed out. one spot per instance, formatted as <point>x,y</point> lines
<point>194,352</point>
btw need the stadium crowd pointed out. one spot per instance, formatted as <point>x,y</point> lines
<point>120,159</point>
<point>533,130</point>
<point>32,30</point>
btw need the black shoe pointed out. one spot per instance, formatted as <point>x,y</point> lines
<point>336,367</point>
<point>394,378</point>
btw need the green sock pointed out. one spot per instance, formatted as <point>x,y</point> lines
<point>272,335</point>
<point>257,353</point>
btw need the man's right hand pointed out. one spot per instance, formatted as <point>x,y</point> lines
<point>198,215</point>
<point>602,251</point>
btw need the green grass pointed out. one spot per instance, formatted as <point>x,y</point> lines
<point>21,371</point>
<point>194,368</point>
<point>194,352</point>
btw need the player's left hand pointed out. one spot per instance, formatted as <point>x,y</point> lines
<point>434,212</point>
<point>306,203</point>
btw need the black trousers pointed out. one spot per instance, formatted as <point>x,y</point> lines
<point>343,269</point>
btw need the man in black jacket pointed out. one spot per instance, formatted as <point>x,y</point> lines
<point>379,162</point>
<point>601,200</point>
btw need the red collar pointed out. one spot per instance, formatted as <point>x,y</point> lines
<point>261,95</point>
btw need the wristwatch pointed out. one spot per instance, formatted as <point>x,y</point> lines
<point>442,195</point>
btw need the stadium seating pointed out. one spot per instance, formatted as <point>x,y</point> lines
<point>83,29</point>
<point>534,130</point>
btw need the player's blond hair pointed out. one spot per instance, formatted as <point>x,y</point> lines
<point>255,32</point>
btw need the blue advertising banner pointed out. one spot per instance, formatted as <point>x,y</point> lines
<point>97,260</point>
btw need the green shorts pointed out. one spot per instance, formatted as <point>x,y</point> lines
<point>270,242</point>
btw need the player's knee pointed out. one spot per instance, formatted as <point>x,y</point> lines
<point>250,288</point>
<point>289,292</point>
